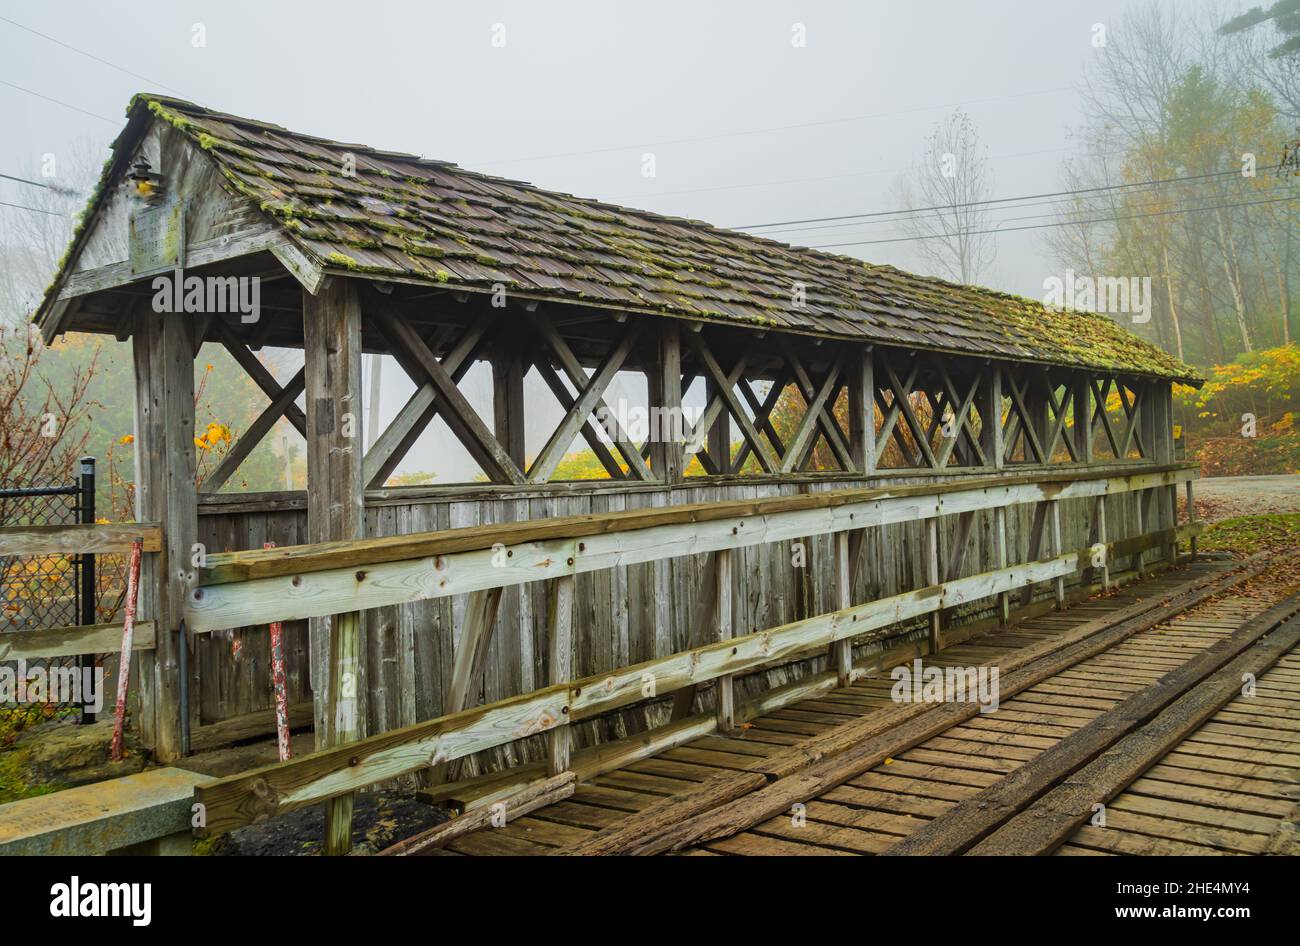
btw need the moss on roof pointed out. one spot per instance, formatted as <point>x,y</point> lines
<point>402,216</point>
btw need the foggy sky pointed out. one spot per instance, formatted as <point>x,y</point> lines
<point>580,91</point>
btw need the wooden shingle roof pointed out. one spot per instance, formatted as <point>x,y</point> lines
<point>403,217</point>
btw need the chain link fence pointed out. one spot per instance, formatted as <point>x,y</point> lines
<point>52,591</point>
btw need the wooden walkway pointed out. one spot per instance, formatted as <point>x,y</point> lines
<point>1246,758</point>
<point>1232,787</point>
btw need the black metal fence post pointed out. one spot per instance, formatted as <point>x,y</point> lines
<point>89,593</point>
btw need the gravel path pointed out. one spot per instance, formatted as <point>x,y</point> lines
<point>1223,497</point>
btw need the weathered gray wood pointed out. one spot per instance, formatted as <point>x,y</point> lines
<point>163,349</point>
<point>245,797</point>
<point>578,378</point>
<point>664,384</point>
<point>588,429</point>
<point>862,411</point>
<point>399,570</point>
<point>589,395</point>
<point>332,362</point>
<point>396,440</point>
<point>903,402</point>
<point>254,435</point>
<point>1057,549</point>
<point>531,797</point>
<point>460,416</point>
<point>722,611</point>
<point>932,577</point>
<point>253,366</point>
<point>1101,539</point>
<point>560,660</point>
<point>1000,558</point>
<point>842,651</point>
<point>72,641</point>
<point>98,539</point>
<point>725,390</point>
<point>803,440</point>
<point>508,401</point>
<point>824,418</point>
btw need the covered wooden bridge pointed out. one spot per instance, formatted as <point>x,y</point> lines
<point>962,455</point>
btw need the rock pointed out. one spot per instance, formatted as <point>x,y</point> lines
<point>61,754</point>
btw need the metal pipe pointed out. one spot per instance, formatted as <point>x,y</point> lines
<point>89,591</point>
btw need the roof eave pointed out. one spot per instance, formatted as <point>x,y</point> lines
<point>49,314</point>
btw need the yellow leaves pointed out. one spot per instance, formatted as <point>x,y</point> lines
<point>126,438</point>
<point>215,434</point>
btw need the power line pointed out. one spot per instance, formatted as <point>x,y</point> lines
<point>1027,202</point>
<point>35,210</point>
<point>56,188</point>
<point>111,121</point>
<point>826,177</point>
<point>997,200</point>
<point>82,52</point>
<point>1041,226</point>
<point>760,131</point>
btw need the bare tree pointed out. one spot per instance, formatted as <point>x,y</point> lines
<point>950,226</point>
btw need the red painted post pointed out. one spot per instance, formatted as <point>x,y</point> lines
<point>124,664</point>
<point>277,680</point>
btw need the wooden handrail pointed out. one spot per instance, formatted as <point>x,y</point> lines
<point>295,582</point>
<point>72,641</point>
<point>89,539</point>
<point>252,796</point>
<point>226,567</point>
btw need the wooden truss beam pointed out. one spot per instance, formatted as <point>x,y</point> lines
<point>726,390</point>
<point>396,440</point>
<point>255,433</point>
<point>572,368</point>
<point>459,414</point>
<point>590,393</point>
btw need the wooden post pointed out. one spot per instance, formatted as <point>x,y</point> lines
<point>1149,426</point>
<point>1101,538</point>
<point>480,617</point>
<point>1039,418</point>
<point>990,410</point>
<point>722,610</point>
<point>842,650</point>
<point>561,666</point>
<point>1037,527</point>
<point>1057,549</point>
<point>862,412</point>
<point>991,433</point>
<point>664,383</point>
<point>335,511</point>
<point>718,441</point>
<point>1163,437</point>
<point>932,574</point>
<point>508,402</point>
<point>1000,541</point>
<point>163,351</point>
<point>1191,516</point>
<point>1141,513</point>
<point>1082,384</point>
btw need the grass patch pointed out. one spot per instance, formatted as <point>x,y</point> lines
<point>1249,534</point>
